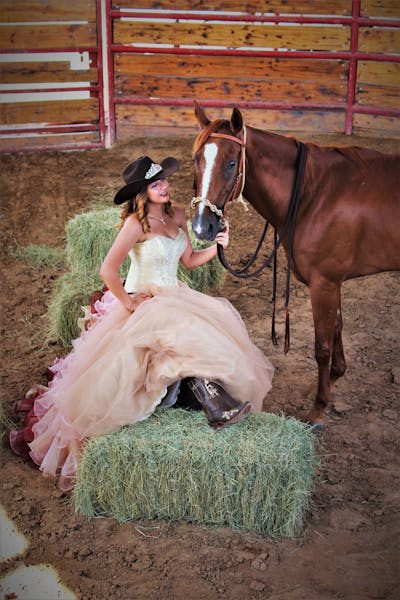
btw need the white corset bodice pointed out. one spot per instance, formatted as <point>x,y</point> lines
<point>155,261</point>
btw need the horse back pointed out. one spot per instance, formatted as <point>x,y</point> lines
<point>349,224</point>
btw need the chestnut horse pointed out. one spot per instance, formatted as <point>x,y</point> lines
<point>347,223</point>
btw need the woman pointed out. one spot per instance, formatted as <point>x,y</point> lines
<point>153,333</point>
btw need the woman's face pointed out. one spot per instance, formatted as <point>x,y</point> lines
<point>158,191</point>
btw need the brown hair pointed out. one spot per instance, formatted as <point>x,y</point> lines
<point>140,205</point>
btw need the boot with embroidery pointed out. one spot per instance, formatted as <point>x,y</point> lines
<point>220,408</point>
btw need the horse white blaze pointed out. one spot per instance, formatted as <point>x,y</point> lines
<point>210,153</point>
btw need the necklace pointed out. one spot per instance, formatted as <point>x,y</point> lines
<point>162,220</point>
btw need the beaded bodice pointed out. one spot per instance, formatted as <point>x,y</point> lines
<point>155,261</point>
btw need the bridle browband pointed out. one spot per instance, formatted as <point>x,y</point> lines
<point>240,177</point>
<point>288,227</point>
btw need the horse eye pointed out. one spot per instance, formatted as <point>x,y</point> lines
<point>230,164</point>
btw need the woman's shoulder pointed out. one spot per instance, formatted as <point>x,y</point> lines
<point>131,228</point>
<point>132,222</point>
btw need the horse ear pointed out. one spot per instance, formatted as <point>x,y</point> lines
<point>201,115</point>
<point>236,120</point>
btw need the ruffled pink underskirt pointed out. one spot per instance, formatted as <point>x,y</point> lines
<point>118,371</point>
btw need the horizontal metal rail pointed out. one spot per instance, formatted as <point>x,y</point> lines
<point>246,18</point>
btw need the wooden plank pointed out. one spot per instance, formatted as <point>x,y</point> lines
<point>44,72</point>
<point>376,126</point>
<point>302,37</point>
<point>235,90</point>
<point>52,113</point>
<point>30,142</point>
<point>379,73</point>
<point>378,84</point>
<point>177,120</point>
<point>13,11</point>
<point>380,8</point>
<point>136,65</point>
<point>385,40</point>
<point>296,121</point>
<point>379,96</point>
<point>21,37</point>
<point>230,78</point>
<point>314,7</point>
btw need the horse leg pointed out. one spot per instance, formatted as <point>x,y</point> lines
<point>325,301</point>
<point>338,366</point>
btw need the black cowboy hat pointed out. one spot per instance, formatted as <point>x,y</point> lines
<point>141,172</point>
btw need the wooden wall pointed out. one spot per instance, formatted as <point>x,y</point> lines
<point>291,66</point>
<point>291,76</point>
<point>38,108</point>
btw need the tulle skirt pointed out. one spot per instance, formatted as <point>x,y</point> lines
<point>118,370</point>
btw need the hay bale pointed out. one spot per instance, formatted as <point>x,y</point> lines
<point>71,292</point>
<point>89,237</point>
<point>255,475</point>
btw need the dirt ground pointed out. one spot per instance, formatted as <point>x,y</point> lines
<point>350,545</point>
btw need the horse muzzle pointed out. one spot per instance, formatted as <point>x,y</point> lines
<point>208,220</point>
<point>206,227</point>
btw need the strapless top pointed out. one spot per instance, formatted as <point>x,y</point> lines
<point>155,261</point>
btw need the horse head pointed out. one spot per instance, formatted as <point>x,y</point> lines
<point>218,158</point>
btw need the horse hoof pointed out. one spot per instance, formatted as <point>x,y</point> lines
<point>318,428</point>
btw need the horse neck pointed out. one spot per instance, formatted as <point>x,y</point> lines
<point>270,172</point>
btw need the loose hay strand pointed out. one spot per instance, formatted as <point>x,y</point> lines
<point>255,475</point>
<point>41,256</point>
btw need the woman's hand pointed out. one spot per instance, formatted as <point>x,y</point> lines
<point>137,299</point>
<point>223,236</point>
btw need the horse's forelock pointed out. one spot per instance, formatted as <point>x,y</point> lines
<point>206,132</point>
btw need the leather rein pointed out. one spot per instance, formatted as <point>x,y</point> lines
<point>288,228</point>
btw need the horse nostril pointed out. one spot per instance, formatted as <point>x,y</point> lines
<point>205,229</point>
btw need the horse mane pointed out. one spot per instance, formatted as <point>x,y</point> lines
<point>205,133</point>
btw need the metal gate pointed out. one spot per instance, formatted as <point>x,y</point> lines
<point>52,91</point>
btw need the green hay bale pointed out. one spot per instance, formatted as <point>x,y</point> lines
<point>89,237</point>
<point>255,475</point>
<point>42,256</point>
<point>70,293</point>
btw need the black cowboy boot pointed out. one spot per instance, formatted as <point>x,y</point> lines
<point>171,395</point>
<point>220,408</point>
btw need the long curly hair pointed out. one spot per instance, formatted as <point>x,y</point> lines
<point>139,204</point>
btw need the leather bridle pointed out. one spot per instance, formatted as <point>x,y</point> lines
<point>239,182</point>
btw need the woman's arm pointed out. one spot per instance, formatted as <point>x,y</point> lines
<point>127,237</point>
<point>195,258</point>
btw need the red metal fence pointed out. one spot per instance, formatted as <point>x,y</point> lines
<point>306,65</point>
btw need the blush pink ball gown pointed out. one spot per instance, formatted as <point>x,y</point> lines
<point>118,370</point>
